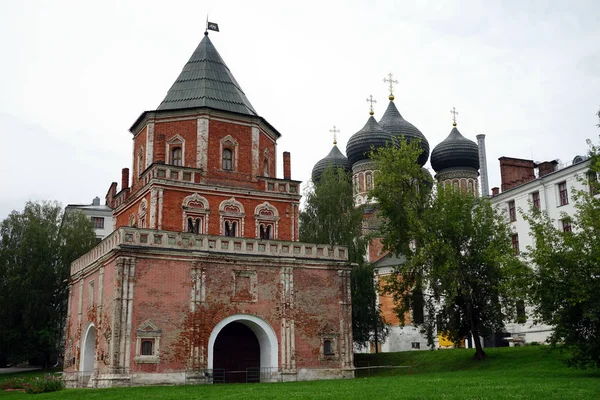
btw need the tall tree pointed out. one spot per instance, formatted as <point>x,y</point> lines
<point>460,264</point>
<point>567,272</point>
<point>36,249</point>
<point>329,216</point>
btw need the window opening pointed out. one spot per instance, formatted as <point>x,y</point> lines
<point>563,193</point>
<point>512,212</point>
<point>147,347</point>
<point>535,198</point>
<point>227,159</point>
<point>176,156</point>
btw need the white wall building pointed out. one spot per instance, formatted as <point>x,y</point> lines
<point>99,214</point>
<point>550,187</point>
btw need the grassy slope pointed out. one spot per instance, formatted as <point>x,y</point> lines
<point>518,373</point>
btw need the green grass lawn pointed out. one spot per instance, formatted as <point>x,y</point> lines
<point>508,373</point>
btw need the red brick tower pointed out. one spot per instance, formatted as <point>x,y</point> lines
<point>204,161</point>
<point>203,279</point>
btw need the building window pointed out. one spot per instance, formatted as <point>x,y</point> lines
<point>563,194</point>
<point>418,306</point>
<point>147,347</point>
<point>512,212</point>
<point>593,181</point>
<point>266,232</point>
<point>415,345</point>
<point>227,160</point>
<point>98,222</point>
<point>230,228</point>
<point>521,316</point>
<point>140,161</point>
<point>535,199</point>
<point>194,225</point>
<point>266,167</point>
<point>148,343</point>
<point>566,225</point>
<point>369,182</point>
<point>328,347</point>
<point>176,156</point>
<point>515,243</point>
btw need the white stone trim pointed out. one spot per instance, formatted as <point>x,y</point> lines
<point>202,143</point>
<point>149,143</point>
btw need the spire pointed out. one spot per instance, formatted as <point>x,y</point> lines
<point>206,81</point>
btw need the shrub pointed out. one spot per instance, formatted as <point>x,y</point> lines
<point>14,383</point>
<point>49,383</point>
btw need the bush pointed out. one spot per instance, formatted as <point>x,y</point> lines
<point>49,383</point>
<point>14,383</point>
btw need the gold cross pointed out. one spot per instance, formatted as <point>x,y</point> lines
<point>335,131</point>
<point>391,81</point>
<point>372,101</point>
<point>454,114</point>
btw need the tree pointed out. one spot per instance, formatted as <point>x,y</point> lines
<point>329,216</point>
<point>36,249</point>
<point>567,272</point>
<point>460,264</point>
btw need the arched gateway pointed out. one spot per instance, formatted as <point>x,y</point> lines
<point>240,346</point>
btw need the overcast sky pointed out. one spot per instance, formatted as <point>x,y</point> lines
<point>75,75</point>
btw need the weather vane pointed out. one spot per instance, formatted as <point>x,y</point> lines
<point>391,82</point>
<point>335,131</point>
<point>372,101</point>
<point>454,114</point>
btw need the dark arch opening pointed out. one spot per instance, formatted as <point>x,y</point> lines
<point>236,351</point>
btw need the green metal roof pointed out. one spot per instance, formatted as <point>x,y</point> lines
<point>206,81</point>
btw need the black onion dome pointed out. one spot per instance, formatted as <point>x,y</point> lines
<point>334,158</point>
<point>393,122</point>
<point>455,151</point>
<point>371,137</point>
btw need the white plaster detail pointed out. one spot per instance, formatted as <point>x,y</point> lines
<point>266,214</point>
<point>232,210</point>
<point>88,346</point>
<point>195,206</point>
<point>175,141</point>
<point>255,152</point>
<point>228,142</point>
<point>153,201</point>
<point>202,145</point>
<point>149,143</point>
<point>160,207</point>
<point>267,339</point>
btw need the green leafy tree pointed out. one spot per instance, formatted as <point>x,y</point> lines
<point>329,216</point>
<point>36,249</point>
<point>567,285</point>
<point>460,265</point>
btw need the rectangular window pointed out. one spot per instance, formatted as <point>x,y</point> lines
<point>147,347</point>
<point>415,345</point>
<point>98,222</point>
<point>535,199</point>
<point>512,211</point>
<point>563,194</point>
<point>515,243</point>
<point>327,347</point>
<point>521,316</point>
<point>566,225</point>
<point>593,181</point>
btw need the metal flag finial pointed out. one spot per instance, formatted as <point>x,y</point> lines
<point>454,114</point>
<point>335,131</point>
<point>391,88</point>
<point>371,101</point>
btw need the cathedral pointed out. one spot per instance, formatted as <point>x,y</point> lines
<point>456,161</point>
<point>203,279</point>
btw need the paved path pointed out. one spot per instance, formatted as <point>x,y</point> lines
<point>12,370</point>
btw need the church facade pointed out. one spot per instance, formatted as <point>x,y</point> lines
<point>203,279</point>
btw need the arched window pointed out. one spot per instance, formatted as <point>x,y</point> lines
<point>265,167</point>
<point>140,161</point>
<point>176,156</point>
<point>194,225</point>
<point>266,231</point>
<point>231,228</point>
<point>227,160</point>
